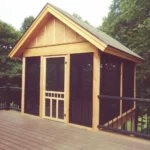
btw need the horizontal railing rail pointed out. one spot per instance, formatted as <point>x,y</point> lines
<point>10,97</point>
<point>129,116</point>
<point>124,98</point>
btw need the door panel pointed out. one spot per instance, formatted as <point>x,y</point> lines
<point>54,88</point>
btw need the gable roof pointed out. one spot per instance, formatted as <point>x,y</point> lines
<point>99,34</point>
<point>98,38</point>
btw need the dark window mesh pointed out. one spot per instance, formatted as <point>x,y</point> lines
<point>32,85</point>
<point>109,85</point>
<point>81,89</point>
<point>55,74</point>
<point>128,84</point>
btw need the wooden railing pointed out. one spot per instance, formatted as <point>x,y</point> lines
<point>10,98</point>
<point>135,120</point>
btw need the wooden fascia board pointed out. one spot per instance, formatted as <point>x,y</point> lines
<point>121,54</point>
<point>72,48</point>
<point>77,28</point>
<point>28,33</point>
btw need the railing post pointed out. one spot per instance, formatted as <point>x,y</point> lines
<point>134,128</point>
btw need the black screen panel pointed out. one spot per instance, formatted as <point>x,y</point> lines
<point>47,107</point>
<point>55,74</point>
<point>81,89</point>
<point>109,85</point>
<point>32,85</point>
<point>61,109</point>
<point>128,84</point>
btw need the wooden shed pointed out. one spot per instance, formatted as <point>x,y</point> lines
<point>67,64</point>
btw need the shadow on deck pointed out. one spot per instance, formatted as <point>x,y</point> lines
<point>24,132</point>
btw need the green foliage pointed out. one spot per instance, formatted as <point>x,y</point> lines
<point>129,22</point>
<point>8,68</point>
<point>26,23</point>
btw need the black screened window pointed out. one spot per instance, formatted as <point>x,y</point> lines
<point>109,85</point>
<point>81,89</point>
<point>32,85</point>
<point>55,74</point>
<point>128,84</point>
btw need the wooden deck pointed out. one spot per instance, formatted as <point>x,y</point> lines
<point>24,132</point>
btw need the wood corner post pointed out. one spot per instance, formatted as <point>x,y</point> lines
<point>67,87</point>
<point>96,89</point>
<point>23,86</point>
<point>42,83</point>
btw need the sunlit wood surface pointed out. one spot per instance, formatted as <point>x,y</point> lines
<point>24,132</point>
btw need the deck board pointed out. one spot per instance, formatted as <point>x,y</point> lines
<point>25,132</point>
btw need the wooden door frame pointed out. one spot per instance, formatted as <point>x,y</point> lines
<point>66,86</point>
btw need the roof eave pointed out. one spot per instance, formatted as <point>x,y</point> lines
<point>113,51</point>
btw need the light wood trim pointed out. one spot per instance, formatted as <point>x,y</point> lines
<point>96,88</point>
<point>67,87</point>
<point>59,99</point>
<point>23,85</point>
<point>121,85</point>
<point>121,54</point>
<point>51,110</point>
<point>58,56</point>
<point>56,107</point>
<point>65,34</point>
<point>42,73</point>
<point>44,84</point>
<point>122,119</point>
<point>45,30</point>
<point>82,47</point>
<point>54,31</point>
<point>54,92</point>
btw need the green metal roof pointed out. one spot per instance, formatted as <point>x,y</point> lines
<point>99,34</point>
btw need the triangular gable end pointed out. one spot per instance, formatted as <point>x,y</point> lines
<point>46,14</point>
<point>55,32</point>
<point>91,36</point>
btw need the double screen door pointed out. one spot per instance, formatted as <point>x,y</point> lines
<point>54,93</point>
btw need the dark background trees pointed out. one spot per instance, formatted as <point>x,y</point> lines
<point>129,22</point>
<point>10,69</point>
<point>26,23</point>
